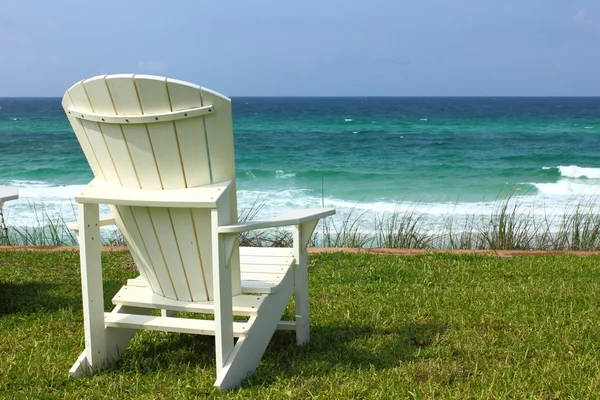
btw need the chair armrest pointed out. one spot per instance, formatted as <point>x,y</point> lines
<point>101,192</point>
<point>292,218</point>
<point>105,220</point>
<point>8,193</point>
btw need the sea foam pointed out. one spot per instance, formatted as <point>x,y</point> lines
<point>39,200</point>
<point>573,171</point>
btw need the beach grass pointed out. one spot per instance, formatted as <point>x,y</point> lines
<point>510,226</point>
<point>383,327</point>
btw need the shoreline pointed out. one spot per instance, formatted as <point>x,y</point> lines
<point>313,250</point>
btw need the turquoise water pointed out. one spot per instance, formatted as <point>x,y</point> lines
<point>446,155</point>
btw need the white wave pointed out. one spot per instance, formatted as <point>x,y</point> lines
<point>573,171</point>
<point>20,183</point>
<point>41,199</point>
<point>423,119</point>
<point>282,174</point>
<point>348,119</point>
<point>568,187</point>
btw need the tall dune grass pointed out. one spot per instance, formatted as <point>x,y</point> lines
<point>510,226</point>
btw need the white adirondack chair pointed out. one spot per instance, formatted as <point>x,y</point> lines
<point>161,151</point>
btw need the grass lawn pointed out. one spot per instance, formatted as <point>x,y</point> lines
<point>383,326</point>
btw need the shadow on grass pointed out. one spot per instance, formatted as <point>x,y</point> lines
<point>330,348</point>
<point>31,297</point>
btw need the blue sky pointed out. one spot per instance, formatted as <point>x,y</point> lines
<point>299,48</point>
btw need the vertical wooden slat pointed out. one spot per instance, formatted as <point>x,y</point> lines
<point>165,234</point>
<point>112,134</point>
<point>93,134</point>
<point>190,253</point>
<point>154,98</point>
<point>125,99</point>
<point>84,142</point>
<point>202,233</point>
<point>219,131</point>
<point>141,216</point>
<point>135,242</point>
<point>190,132</point>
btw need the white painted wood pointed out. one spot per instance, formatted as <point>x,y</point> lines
<point>168,246</point>
<point>138,282</point>
<point>191,134</point>
<point>166,324</point>
<point>78,93</point>
<point>189,251</point>
<point>248,350</point>
<point>89,133</point>
<point>219,131</point>
<point>124,96</point>
<point>139,250</point>
<point>252,276</point>
<point>81,366</point>
<point>91,285</point>
<point>137,296</point>
<point>301,285</point>
<point>101,101</point>
<point>101,192</point>
<point>252,286</point>
<point>154,98</point>
<point>117,340</point>
<point>230,242</point>
<point>141,119</point>
<point>201,219</point>
<point>222,295</point>
<point>286,326</point>
<point>267,260</point>
<point>292,218</point>
<point>8,193</point>
<point>266,268</point>
<point>155,252</point>
<point>266,252</point>
<point>219,137</point>
<point>105,220</point>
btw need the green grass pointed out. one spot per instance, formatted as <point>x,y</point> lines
<point>390,327</point>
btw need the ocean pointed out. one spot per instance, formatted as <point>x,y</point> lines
<point>366,157</point>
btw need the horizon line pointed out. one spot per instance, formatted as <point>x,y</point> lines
<point>361,96</point>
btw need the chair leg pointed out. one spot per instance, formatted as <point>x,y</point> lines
<point>301,300</point>
<point>248,350</point>
<point>301,236</point>
<point>94,355</point>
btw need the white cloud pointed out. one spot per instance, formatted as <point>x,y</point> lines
<point>583,19</point>
<point>152,66</point>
